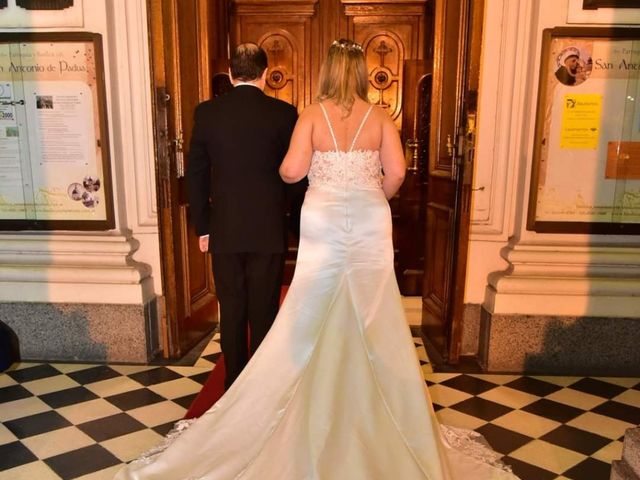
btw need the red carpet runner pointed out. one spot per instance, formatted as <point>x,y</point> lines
<point>213,388</point>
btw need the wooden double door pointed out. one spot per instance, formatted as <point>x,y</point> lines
<point>417,58</point>
<point>296,36</point>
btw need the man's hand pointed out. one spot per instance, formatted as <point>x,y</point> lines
<point>203,243</point>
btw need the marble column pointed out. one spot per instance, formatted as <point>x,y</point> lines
<point>76,297</point>
<point>571,309</point>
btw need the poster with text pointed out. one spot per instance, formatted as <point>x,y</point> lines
<point>587,152</point>
<point>54,170</point>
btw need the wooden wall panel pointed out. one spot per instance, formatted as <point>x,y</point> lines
<point>390,33</point>
<point>284,29</point>
<point>296,35</point>
<point>449,74</point>
<point>439,252</point>
<point>327,25</point>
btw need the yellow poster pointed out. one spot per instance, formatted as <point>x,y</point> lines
<point>581,121</point>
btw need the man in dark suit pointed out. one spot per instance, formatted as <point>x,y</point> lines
<point>237,197</point>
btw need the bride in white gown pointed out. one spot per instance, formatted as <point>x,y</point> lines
<point>335,391</point>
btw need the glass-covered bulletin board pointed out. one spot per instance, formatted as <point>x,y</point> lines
<point>586,159</point>
<point>41,13</point>
<point>595,4</point>
<point>54,155</point>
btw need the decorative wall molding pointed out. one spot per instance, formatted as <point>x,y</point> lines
<point>131,101</point>
<point>502,117</point>
<point>399,7</point>
<point>574,280</point>
<point>291,7</point>
<point>72,268</point>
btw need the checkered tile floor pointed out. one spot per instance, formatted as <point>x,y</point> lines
<point>82,421</point>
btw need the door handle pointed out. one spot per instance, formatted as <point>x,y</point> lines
<point>450,146</point>
<point>411,154</point>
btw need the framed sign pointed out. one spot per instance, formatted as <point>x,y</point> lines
<point>54,146</point>
<point>41,13</point>
<point>609,12</point>
<point>586,158</point>
<point>595,4</point>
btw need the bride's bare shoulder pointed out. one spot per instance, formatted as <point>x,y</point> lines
<point>311,109</point>
<point>310,113</point>
<point>378,112</point>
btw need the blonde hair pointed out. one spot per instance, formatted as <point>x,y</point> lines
<point>343,75</point>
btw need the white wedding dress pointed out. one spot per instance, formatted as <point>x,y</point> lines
<point>335,391</point>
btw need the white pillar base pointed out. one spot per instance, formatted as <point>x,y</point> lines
<point>567,280</point>
<point>72,268</point>
<point>572,310</point>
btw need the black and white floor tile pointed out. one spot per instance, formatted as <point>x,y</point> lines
<point>72,421</point>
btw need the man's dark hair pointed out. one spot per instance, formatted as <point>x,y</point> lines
<point>248,62</point>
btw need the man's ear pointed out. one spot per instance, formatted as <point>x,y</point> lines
<point>263,77</point>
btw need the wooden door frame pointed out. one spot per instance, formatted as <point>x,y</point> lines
<point>166,81</point>
<point>467,83</point>
<point>165,85</point>
<point>466,147</point>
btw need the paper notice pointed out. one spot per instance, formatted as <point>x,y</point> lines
<point>581,114</point>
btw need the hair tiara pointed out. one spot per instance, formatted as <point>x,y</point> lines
<point>347,45</point>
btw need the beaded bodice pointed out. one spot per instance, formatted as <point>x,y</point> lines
<point>353,169</point>
<point>346,169</point>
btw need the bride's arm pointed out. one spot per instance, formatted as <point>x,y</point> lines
<point>297,161</point>
<point>391,157</point>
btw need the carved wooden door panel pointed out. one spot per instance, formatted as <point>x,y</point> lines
<point>181,70</point>
<point>283,29</point>
<point>392,34</point>
<point>411,223</point>
<point>187,37</point>
<point>296,35</point>
<point>458,25</point>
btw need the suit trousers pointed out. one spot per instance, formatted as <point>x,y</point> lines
<point>248,287</point>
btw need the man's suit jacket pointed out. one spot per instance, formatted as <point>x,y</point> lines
<point>235,192</point>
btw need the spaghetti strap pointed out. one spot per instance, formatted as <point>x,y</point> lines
<point>364,119</point>
<point>333,135</point>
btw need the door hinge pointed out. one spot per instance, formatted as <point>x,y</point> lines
<point>178,143</point>
<point>469,149</point>
<point>457,150</point>
<point>464,150</point>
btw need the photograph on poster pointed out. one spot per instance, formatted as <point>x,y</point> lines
<point>586,159</point>
<point>53,140</point>
<point>41,13</point>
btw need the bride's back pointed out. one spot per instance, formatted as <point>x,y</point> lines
<point>343,78</point>
<point>346,128</point>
